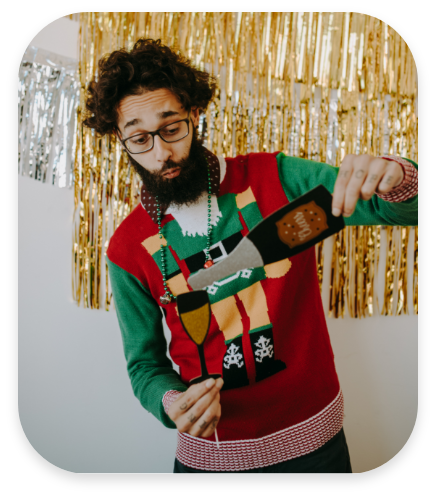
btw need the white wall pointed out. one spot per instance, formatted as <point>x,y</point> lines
<point>60,37</point>
<point>76,404</point>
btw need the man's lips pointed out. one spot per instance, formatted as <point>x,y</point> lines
<point>171,173</point>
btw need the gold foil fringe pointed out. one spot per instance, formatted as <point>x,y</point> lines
<point>74,17</point>
<point>311,84</point>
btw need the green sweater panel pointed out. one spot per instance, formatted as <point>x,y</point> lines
<point>299,175</point>
<point>150,370</point>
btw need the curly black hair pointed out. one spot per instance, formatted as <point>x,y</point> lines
<point>149,66</point>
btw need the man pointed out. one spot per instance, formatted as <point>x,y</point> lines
<point>277,405</point>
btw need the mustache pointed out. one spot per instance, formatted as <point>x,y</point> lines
<point>186,165</point>
<point>170,165</point>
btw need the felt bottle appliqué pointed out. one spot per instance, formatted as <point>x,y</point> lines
<point>271,239</point>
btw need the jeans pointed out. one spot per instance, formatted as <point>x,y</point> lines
<point>333,458</point>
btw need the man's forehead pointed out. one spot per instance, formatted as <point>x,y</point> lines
<point>153,105</point>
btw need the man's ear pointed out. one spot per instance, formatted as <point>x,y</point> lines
<point>117,133</point>
<point>195,116</point>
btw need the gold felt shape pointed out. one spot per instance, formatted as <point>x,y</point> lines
<point>228,317</point>
<point>245,198</point>
<point>153,243</point>
<point>278,269</point>
<point>196,323</point>
<point>255,305</point>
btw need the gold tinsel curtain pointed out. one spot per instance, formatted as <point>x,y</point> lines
<point>311,84</point>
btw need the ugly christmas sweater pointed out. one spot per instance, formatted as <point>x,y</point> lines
<point>268,337</point>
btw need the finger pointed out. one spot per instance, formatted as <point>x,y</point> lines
<point>391,178</point>
<point>344,175</point>
<point>211,427</point>
<point>189,398</point>
<point>360,172</point>
<point>212,411</point>
<point>209,420</point>
<point>376,171</point>
<point>187,422</point>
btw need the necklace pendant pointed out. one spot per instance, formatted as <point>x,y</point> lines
<point>165,299</point>
<point>208,263</point>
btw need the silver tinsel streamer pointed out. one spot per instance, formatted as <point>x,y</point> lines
<point>48,96</point>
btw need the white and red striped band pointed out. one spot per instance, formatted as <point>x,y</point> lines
<point>408,188</point>
<point>245,454</point>
<point>168,399</point>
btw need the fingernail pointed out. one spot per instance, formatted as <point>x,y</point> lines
<point>336,212</point>
<point>210,382</point>
<point>219,382</point>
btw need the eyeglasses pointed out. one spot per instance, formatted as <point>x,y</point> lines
<point>143,142</point>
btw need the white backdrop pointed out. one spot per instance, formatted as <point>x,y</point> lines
<point>76,405</point>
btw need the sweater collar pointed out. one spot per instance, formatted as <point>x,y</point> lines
<point>148,201</point>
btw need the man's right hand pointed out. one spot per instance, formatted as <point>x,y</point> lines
<point>197,411</point>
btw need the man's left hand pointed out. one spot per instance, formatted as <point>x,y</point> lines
<point>360,177</point>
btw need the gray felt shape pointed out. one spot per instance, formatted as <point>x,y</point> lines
<point>244,255</point>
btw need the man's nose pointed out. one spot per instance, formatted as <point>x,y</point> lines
<point>162,149</point>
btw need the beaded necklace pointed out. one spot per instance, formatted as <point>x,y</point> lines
<point>168,296</point>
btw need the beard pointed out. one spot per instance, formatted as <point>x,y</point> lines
<point>187,187</point>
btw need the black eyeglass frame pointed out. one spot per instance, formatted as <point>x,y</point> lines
<point>154,133</point>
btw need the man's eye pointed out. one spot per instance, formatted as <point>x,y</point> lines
<point>170,131</point>
<point>141,139</point>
